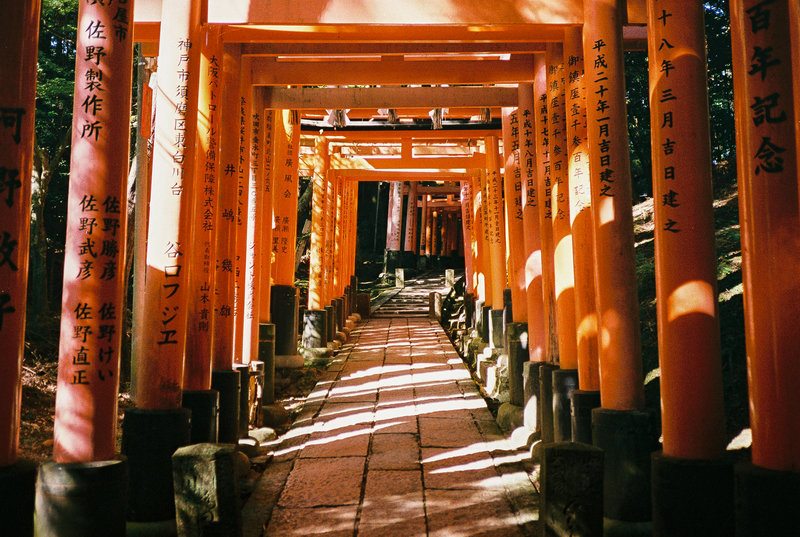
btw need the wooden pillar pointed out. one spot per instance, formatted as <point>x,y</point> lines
<point>564,275</point>
<point>621,385</point>
<point>580,198</point>
<point>227,227</point>
<point>19,43</point>
<point>240,253</point>
<point>316,268</point>
<point>469,241</point>
<point>169,248</point>
<point>410,244</point>
<point>353,229</point>
<point>495,222</point>
<point>545,191</point>
<point>768,200</point>
<point>394,224</point>
<point>513,208</point>
<point>197,373</point>
<point>284,234</point>
<point>485,256</point>
<point>92,298</point>
<point>692,414</point>
<point>338,241</point>
<point>531,201</point>
<point>425,241</point>
<point>330,238</point>
<point>272,127</point>
<point>255,216</point>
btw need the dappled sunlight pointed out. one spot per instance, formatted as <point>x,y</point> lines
<point>400,442</point>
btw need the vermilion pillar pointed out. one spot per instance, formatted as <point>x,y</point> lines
<point>284,234</point>
<point>242,170</point>
<point>19,42</point>
<point>410,243</point>
<point>580,198</point>
<point>468,228</point>
<point>545,191</point>
<point>316,274</point>
<point>394,224</point>
<point>222,356</point>
<point>692,416</point>
<point>692,412</point>
<point>330,239</point>
<point>426,226</point>
<point>338,238</point>
<point>197,373</point>
<point>484,253</point>
<point>515,240</point>
<point>621,385</point>
<point>531,201</point>
<point>92,298</point>
<point>169,248</point>
<point>621,427</point>
<point>255,215</point>
<point>564,276</point>
<point>495,222</point>
<point>768,200</point>
<point>271,128</point>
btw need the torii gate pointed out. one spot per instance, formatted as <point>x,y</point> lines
<point>210,60</point>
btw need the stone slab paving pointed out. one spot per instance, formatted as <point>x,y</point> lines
<point>395,441</point>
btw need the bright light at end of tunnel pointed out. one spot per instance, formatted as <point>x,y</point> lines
<point>691,297</point>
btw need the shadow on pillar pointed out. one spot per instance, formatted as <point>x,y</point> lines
<point>149,438</point>
<point>545,402</point>
<point>17,491</point>
<point>244,399</point>
<point>86,499</point>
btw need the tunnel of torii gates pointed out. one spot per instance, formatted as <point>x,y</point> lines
<point>534,140</point>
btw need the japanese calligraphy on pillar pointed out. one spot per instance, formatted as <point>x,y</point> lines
<point>769,88</point>
<point>495,218</point>
<point>96,201</point>
<point>516,175</point>
<point>542,120</point>
<point>558,142</point>
<point>603,107</point>
<point>91,310</point>
<point>577,151</point>
<point>17,101</point>
<point>285,196</point>
<point>169,246</point>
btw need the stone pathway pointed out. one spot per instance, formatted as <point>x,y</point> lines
<point>395,440</point>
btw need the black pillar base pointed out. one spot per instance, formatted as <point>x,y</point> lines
<point>572,490</point>
<point>244,399</point>
<point>227,383</point>
<point>546,401</point>
<point>362,306</point>
<point>17,492</point>
<point>582,404</point>
<point>392,259</point>
<point>267,343</point>
<point>283,312</point>
<point>530,383</point>
<point>496,327</point>
<point>330,324</point>
<point>627,437</point>
<point>508,308</point>
<point>766,501</point>
<point>409,260</point>
<point>517,349</point>
<point>565,381</point>
<point>82,499</point>
<point>469,309</point>
<point>692,498</point>
<point>204,405</point>
<point>315,329</point>
<point>149,438</point>
<point>481,320</point>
